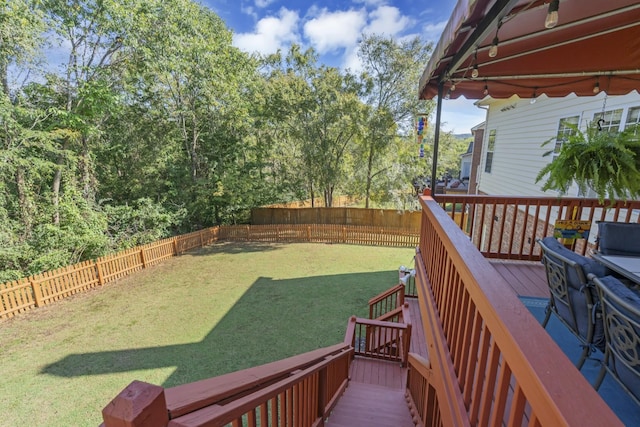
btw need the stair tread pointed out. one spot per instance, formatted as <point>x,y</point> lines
<point>371,406</point>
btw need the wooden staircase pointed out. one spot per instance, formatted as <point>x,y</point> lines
<point>368,405</point>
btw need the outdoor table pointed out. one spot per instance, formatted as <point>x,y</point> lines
<point>627,266</point>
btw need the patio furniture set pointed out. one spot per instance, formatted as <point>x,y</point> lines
<point>598,299</point>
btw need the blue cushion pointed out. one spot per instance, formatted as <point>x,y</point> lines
<point>619,238</point>
<point>630,377</point>
<point>588,265</point>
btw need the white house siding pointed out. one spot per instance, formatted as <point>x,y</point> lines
<point>521,128</point>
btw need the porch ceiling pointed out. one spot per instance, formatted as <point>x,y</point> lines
<point>595,43</point>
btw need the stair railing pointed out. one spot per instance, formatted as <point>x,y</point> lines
<point>301,390</point>
<point>386,301</point>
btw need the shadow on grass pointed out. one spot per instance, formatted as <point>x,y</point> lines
<point>274,319</point>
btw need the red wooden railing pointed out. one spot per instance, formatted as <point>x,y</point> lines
<point>386,301</point>
<point>507,227</point>
<point>490,361</point>
<point>381,339</point>
<point>421,395</point>
<point>301,391</point>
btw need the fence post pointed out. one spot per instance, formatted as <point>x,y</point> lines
<point>344,234</point>
<point>100,275</point>
<point>37,292</point>
<point>248,228</point>
<point>308,233</point>
<point>144,261</point>
<point>140,404</point>
<point>175,246</point>
<point>201,239</point>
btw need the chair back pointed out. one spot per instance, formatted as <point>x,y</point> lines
<point>621,313</point>
<point>619,238</point>
<point>572,297</point>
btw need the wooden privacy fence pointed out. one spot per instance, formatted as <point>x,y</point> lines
<point>386,218</point>
<point>322,233</point>
<point>42,289</point>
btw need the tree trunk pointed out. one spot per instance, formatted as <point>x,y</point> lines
<point>369,177</point>
<point>23,201</point>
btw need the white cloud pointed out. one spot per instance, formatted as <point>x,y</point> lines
<point>271,33</point>
<point>263,3</point>
<point>387,20</point>
<point>432,32</point>
<point>330,31</point>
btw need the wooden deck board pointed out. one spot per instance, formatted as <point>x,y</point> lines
<point>527,278</point>
<point>369,405</point>
<point>378,372</point>
<point>418,339</point>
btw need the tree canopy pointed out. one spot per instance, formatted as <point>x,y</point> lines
<point>126,121</point>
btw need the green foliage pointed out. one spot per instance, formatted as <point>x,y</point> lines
<point>606,162</point>
<point>142,223</point>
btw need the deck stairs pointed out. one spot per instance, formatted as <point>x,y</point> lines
<point>369,405</point>
<point>375,396</point>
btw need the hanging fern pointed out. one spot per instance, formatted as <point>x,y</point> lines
<point>607,162</point>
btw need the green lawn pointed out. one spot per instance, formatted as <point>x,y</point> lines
<point>217,310</point>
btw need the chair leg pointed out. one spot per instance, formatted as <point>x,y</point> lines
<point>547,316</point>
<point>583,357</point>
<point>603,371</point>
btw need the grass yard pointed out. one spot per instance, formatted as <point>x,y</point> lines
<point>222,308</point>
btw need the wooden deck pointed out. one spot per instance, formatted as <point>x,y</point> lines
<point>375,396</point>
<point>527,278</point>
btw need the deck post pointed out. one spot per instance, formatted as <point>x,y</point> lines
<point>140,404</point>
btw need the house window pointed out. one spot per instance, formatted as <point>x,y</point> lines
<point>566,128</point>
<point>609,121</point>
<point>490,146</point>
<point>633,118</point>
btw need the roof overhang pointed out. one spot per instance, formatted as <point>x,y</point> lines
<point>595,45</point>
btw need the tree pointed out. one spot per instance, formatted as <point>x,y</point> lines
<point>390,75</point>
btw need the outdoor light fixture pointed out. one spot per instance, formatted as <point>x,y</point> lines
<point>493,50</point>
<point>453,87</point>
<point>533,98</point>
<point>552,14</point>
<point>474,72</point>
<point>486,90</point>
<point>596,87</point>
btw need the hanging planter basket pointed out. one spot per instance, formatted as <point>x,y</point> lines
<point>606,162</point>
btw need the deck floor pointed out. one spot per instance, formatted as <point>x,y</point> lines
<point>526,278</point>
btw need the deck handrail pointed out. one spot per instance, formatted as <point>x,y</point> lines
<point>493,362</point>
<point>379,339</point>
<point>386,301</point>
<point>507,227</point>
<point>421,395</point>
<point>311,382</point>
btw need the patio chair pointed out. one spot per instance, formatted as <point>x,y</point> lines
<point>619,238</point>
<point>621,314</point>
<point>572,297</point>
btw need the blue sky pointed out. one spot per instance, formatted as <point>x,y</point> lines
<point>332,28</point>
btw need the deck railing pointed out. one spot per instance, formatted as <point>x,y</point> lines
<point>491,363</point>
<point>380,339</point>
<point>386,301</point>
<point>508,227</point>
<point>301,391</point>
<point>421,395</point>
